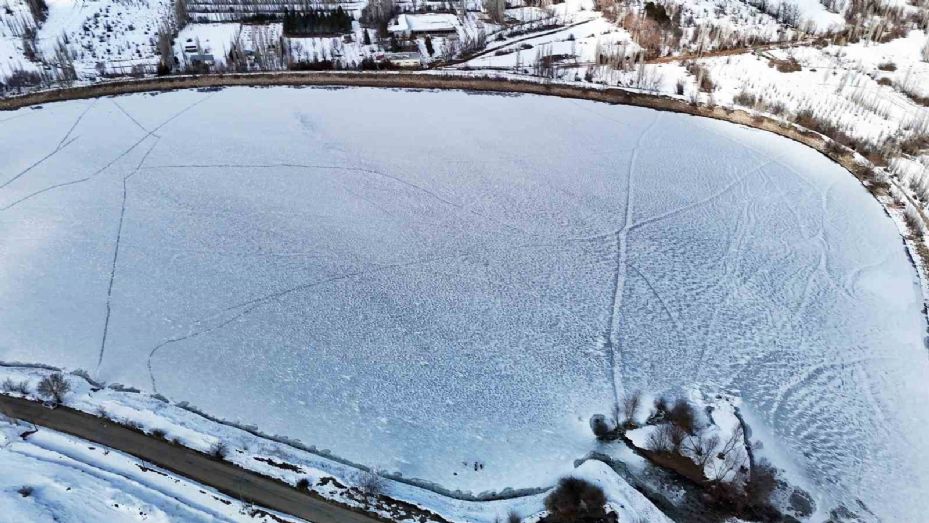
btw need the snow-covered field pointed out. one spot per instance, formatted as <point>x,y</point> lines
<point>51,477</point>
<point>422,281</point>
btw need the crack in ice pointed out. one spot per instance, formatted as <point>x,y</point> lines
<point>119,235</point>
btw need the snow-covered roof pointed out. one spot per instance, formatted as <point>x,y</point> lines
<point>404,56</point>
<point>425,23</point>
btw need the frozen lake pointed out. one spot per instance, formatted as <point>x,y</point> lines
<point>422,280</point>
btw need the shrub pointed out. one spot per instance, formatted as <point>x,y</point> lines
<point>761,483</point>
<point>661,410</point>
<point>511,517</point>
<point>54,387</point>
<point>25,491</point>
<point>887,66</point>
<point>303,484</point>
<point>912,223</point>
<point>602,428</point>
<point>20,79</point>
<point>370,483</point>
<point>159,433</point>
<point>790,65</point>
<point>682,414</point>
<point>22,387</point>
<point>575,500</point>
<point>746,99</point>
<point>219,450</point>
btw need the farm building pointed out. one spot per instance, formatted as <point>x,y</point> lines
<point>407,59</point>
<point>429,24</point>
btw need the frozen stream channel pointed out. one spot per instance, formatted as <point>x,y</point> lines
<point>422,280</point>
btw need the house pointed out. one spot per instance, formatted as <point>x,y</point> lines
<point>190,46</point>
<point>428,24</point>
<point>407,59</point>
<point>201,59</point>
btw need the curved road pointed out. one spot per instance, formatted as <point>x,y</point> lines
<point>223,476</point>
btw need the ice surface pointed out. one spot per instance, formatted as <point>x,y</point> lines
<point>422,280</point>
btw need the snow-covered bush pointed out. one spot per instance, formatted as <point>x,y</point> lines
<point>219,450</point>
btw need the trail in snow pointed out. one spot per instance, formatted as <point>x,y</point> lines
<point>612,335</point>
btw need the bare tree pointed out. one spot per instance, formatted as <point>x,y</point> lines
<point>371,483</point>
<point>495,9</point>
<point>701,449</point>
<point>378,13</point>
<point>66,72</point>
<point>924,52</point>
<point>730,458</point>
<point>38,9</point>
<point>54,387</point>
<point>667,438</point>
<point>181,14</point>
<point>630,407</point>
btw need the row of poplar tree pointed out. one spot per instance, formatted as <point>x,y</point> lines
<point>312,23</point>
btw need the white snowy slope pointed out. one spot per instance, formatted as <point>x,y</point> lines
<point>53,477</point>
<point>422,280</point>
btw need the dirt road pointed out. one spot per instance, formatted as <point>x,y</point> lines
<point>223,476</point>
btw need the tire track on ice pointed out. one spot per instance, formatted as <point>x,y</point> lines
<point>119,235</point>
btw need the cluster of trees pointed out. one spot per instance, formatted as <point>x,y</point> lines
<point>39,10</point>
<point>378,13</point>
<point>315,23</point>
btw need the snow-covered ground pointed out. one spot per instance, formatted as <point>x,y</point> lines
<point>325,475</point>
<point>50,477</point>
<point>421,281</point>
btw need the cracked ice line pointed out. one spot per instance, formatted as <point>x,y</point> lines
<point>119,235</point>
